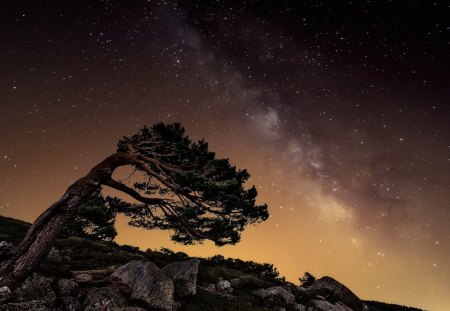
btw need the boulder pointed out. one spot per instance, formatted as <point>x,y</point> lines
<point>223,285</point>
<point>36,287</point>
<point>149,285</point>
<point>35,305</point>
<point>104,297</point>
<point>299,307</point>
<point>340,292</point>
<point>184,277</point>
<point>322,305</point>
<point>275,295</point>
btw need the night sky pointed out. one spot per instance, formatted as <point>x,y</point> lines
<point>340,110</point>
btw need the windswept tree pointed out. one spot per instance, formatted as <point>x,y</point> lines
<point>178,185</point>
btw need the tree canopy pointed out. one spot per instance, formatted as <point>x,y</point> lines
<point>181,186</point>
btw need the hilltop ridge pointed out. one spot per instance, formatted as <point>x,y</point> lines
<point>84,274</point>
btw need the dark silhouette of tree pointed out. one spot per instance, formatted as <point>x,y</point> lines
<point>94,219</point>
<point>307,280</point>
<point>180,186</point>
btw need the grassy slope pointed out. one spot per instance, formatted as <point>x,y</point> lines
<point>88,254</point>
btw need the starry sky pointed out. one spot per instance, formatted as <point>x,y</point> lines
<point>339,109</point>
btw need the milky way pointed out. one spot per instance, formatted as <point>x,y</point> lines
<point>340,111</point>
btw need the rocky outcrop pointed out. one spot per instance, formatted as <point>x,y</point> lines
<point>127,309</point>
<point>36,287</point>
<point>67,291</point>
<point>322,305</point>
<point>339,292</point>
<point>223,285</point>
<point>104,298</point>
<point>275,295</point>
<point>149,285</point>
<point>66,287</point>
<point>69,304</point>
<point>299,307</point>
<point>35,305</point>
<point>184,277</point>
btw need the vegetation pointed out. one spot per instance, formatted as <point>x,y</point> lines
<point>178,185</point>
<point>88,253</point>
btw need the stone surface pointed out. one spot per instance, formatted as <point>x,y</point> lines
<point>321,305</point>
<point>103,297</point>
<point>184,277</point>
<point>148,284</point>
<point>84,278</point>
<point>276,294</point>
<point>223,285</point>
<point>35,305</point>
<point>4,291</point>
<point>211,286</point>
<point>339,291</point>
<point>66,287</point>
<point>299,307</point>
<point>36,287</point>
<point>69,304</point>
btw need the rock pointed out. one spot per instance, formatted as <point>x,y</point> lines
<point>223,285</point>
<point>69,304</point>
<point>84,278</point>
<point>211,286</point>
<point>127,309</point>
<point>339,291</point>
<point>184,277</point>
<point>4,291</point>
<point>36,287</point>
<point>148,284</point>
<point>35,305</point>
<point>102,297</point>
<point>299,307</point>
<point>66,287</point>
<point>275,295</point>
<point>321,305</point>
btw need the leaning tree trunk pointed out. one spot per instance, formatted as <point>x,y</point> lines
<point>39,239</point>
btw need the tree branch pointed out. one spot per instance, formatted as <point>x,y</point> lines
<point>133,193</point>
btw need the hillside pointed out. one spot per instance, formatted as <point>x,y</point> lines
<point>84,274</point>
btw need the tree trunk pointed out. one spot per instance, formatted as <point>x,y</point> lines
<point>38,241</point>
